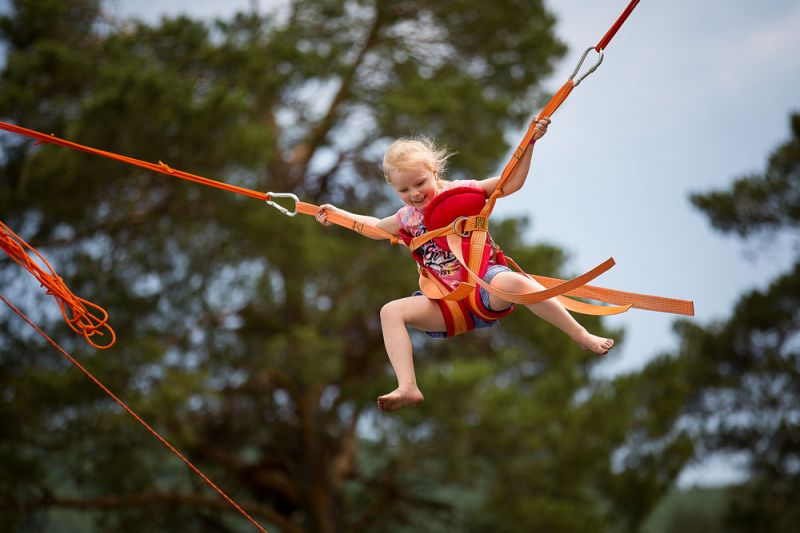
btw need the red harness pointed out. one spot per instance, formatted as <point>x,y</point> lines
<point>446,209</point>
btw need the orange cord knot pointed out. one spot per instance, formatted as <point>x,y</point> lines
<point>166,167</point>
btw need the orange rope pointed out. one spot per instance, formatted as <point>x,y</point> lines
<point>301,207</point>
<point>133,414</point>
<point>160,167</point>
<point>82,316</point>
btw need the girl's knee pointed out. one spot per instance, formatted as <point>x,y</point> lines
<point>391,311</point>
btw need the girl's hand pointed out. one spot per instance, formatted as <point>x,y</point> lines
<point>322,214</point>
<point>541,127</point>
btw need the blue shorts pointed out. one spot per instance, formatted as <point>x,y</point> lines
<point>491,272</point>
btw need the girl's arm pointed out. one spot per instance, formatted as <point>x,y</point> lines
<point>517,178</point>
<point>390,223</point>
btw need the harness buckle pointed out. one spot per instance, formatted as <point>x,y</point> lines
<point>459,225</point>
<point>460,232</point>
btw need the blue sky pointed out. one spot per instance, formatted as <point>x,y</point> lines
<point>690,96</point>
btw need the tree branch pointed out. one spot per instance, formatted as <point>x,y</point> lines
<point>342,463</point>
<point>304,151</point>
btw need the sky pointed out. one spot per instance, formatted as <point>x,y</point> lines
<point>690,96</point>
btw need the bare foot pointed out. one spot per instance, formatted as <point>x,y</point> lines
<point>400,397</point>
<point>593,343</point>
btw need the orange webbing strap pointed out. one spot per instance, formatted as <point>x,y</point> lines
<point>347,222</point>
<point>82,316</point>
<point>460,226</point>
<point>612,296</point>
<point>576,306</point>
<point>133,414</point>
<point>435,290</point>
<point>554,103</point>
<point>454,242</point>
<point>160,167</point>
<point>548,110</point>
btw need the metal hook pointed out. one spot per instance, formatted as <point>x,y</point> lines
<point>280,207</point>
<point>592,69</point>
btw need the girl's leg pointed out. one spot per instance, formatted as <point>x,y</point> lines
<point>418,312</point>
<point>550,310</point>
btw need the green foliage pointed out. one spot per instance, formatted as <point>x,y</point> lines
<point>252,340</point>
<point>744,370</point>
<point>766,202</point>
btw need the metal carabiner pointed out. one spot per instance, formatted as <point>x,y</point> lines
<point>280,207</point>
<point>583,58</point>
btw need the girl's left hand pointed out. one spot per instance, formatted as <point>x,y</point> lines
<point>541,127</point>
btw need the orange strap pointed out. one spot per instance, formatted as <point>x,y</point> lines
<point>134,415</point>
<point>454,242</point>
<point>632,299</point>
<point>460,226</point>
<point>576,306</point>
<point>82,316</point>
<point>347,222</point>
<point>554,103</point>
<point>434,290</point>
<point>160,167</point>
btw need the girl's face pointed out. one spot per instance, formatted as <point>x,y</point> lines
<point>416,186</point>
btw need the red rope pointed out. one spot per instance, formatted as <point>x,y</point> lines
<point>82,316</point>
<point>134,415</point>
<point>616,26</point>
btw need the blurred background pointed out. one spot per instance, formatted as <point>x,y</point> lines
<point>252,340</point>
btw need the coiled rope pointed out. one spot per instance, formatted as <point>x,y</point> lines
<point>82,316</point>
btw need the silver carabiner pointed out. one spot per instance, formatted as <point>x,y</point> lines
<point>280,207</point>
<point>592,69</point>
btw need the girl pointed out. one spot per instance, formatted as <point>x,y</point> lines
<point>414,167</point>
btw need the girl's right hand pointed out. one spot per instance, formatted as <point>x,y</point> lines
<point>322,214</point>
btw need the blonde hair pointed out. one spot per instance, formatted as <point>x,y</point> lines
<point>411,153</point>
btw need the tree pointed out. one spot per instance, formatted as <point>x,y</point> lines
<point>746,369</point>
<point>252,340</point>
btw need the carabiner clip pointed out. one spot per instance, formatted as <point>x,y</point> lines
<point>583,58</point>
<point>280,207</point>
